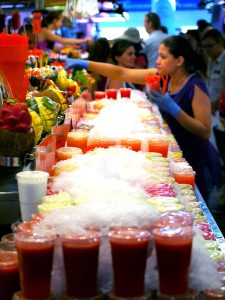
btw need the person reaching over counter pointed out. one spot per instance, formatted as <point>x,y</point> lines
<point>53,21</point>
<point>185,105</point>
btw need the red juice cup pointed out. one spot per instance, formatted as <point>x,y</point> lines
<point>111,93</point>
<point>78,138</point>
<point>125,93</point>
<point>81,252</point>
<point>173,250</point>
<point>9,275</point>
<point>99,95</point>
<point>183,176</point>
<point>129,246</point>
<point>35,256</point>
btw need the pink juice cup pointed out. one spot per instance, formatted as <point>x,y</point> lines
<point>173,250</point>
<point>129,246</point>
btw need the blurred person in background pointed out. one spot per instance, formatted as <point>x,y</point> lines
<point>100,52</point>
<point>54,21</point>
<point>203,26</point>
<point>122,54</point>
<point>152,25</point>
<point>213,45</point>
<point>27,29</point>
<point>132,35</point>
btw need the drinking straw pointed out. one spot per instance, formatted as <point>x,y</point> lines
<point>165,82</point>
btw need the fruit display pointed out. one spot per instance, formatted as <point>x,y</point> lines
<point>16,133</point>
<point>36,125</point>
<point>46,109</point>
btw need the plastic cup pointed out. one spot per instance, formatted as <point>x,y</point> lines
<point>99,95</point>
<point>125,93</point>
<point>67,152</point>
<point>174,218</point>
<point>217,294</point>
<point>173,250</point>
<point>111,93</point>
<point>81,252</point>
<point>8,238</point>
<point>78,138</point>
<point>32,186</point>
<point>129,246</point>
<point>9,275</point>
<point>159,145</point>
<point>26,227</point>
<point>7,247</point>
<point>183,176</point>
<point>35,256</point>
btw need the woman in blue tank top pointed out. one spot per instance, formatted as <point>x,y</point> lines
<point>185,105</point>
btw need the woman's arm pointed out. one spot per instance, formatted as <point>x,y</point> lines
<point>201,123</point>
<point>120,73</point>
<point>50,36</point>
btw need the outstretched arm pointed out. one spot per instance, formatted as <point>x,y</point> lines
<point>50,36</point>
<point>120,73</point>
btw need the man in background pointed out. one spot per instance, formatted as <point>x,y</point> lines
<point>152,25</point>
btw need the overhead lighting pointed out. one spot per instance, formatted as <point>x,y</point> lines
<point>108,18</point>
<point>12,6</point>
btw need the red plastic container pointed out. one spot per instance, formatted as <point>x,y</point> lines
<point>14,54</point>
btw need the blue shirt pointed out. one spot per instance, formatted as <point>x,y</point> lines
<point>152,44</point>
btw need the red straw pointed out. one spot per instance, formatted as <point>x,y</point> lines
<point>165,82</point>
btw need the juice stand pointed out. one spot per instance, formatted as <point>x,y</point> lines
<point>143,187</point>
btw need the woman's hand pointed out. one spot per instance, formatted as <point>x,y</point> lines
<point>165,103</point>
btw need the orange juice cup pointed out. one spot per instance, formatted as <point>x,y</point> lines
<point>187,177</point>
<point>111,93</point>
<point>78,138</point>
<point>133,144</point>
<point>67,152</point>
<point>159,145</point>
<point>94,143</point>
